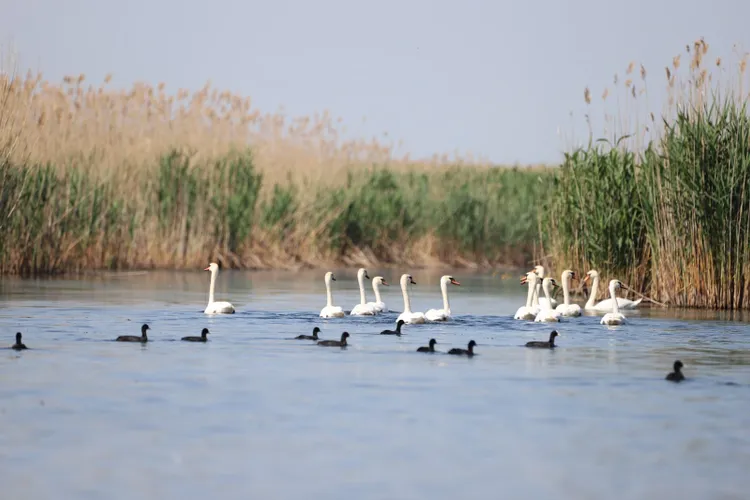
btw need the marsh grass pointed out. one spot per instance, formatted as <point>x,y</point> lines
<point>100,177</point>
<point>666,206</point>
<point>59,220</point>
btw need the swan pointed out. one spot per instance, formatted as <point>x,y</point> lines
<point>547,313</point>
<point>527,311</point>
<point>566,308</point>
<point>214,307</point>
<point>444,313</point>
<point>330,311</point>
<point>409,317</point>
<point>615,317</point>
<point>542,301</point>
<point>379,306</point>
<point>606,304</point>
<point>363,308</point>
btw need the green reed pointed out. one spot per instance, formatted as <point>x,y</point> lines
<point>188,212</point>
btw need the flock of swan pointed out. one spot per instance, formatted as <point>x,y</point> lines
<point>539,309</point>
<point>547,309</point>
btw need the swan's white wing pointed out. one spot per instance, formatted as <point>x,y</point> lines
<point>436,315</point>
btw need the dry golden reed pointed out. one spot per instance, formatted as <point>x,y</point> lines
<point>102,177</point>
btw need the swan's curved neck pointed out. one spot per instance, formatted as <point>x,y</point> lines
<point>405,292</point>
<point>593,292</point>
<point>376,291</point>
<point>536,293</point>
<point>361,280</point>
<point>212,287</point>
<point>615,305</point>
<point>444,289</point>
<point>566,293</point>
<point>545,287</point>
<point>530,294</point>
<point>329,295</point>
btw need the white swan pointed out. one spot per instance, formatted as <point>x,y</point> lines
<point>363,308</point>
<point>379,306</point>
<point>547,314</point>
<point>444,313</point>
<point>606,304</point>
<point>330,311</point>
<point>615,317</point>
<point>214,307</point>
<point>566,308</point>
<point>542,301</point>
<point>408,316</point>
<point>528,311</point>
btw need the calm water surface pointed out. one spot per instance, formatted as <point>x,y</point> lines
<point>252,414</point>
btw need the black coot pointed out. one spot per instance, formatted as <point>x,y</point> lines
<point>132,338</point>
<point>314,336</point>
<point>336,343</point>
<point>431,348</point>
<point>397,331</point>
<point>202,338</point>
<point>464,352</point>
<point>676,375</point>
<point>544,345</point>
<point>19,346</point>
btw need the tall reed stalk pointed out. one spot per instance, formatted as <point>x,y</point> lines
<point>670,214</point>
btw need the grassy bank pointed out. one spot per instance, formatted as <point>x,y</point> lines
<point>667,209</point>
<point>186,213</point>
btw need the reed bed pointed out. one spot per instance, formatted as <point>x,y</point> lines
<point>665,203</point>
<point>96,177</point>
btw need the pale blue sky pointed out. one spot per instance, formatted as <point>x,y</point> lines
<point>495,78</point>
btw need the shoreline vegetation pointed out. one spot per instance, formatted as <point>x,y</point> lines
<point>95,178</point>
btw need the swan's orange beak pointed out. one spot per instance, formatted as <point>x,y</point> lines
<point>586,278</point>
<point>207,269</point>
<point>572,275</point>
<point>455,282</point>
<point>384,282</point>
<point>524,280</point>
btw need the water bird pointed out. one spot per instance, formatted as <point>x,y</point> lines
<point>444,313</point>
<point>615,317</point>
<point>546,313</point>
<point>397,331</point>
<point>528,311</point>
<point>203,337</point>
<point>363,308</point>
<point>214,307</point>
<point>676,375</point>
<point>330,311</point>
<point>336,343</point>
<point>431,347</point>
<point>606,304</point>
<point>566,308</point>
<point>408,316</point>
<point>464,352</point>
<point>19,346</point>
<point>542,301</point>
<point>314,336</point>
<point>550,344</point>
<point>133,338</point>
<point>379,306</point>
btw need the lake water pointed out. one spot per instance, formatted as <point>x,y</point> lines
<point>252,414</point>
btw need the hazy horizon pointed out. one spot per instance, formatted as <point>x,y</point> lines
<point>497,79</point>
